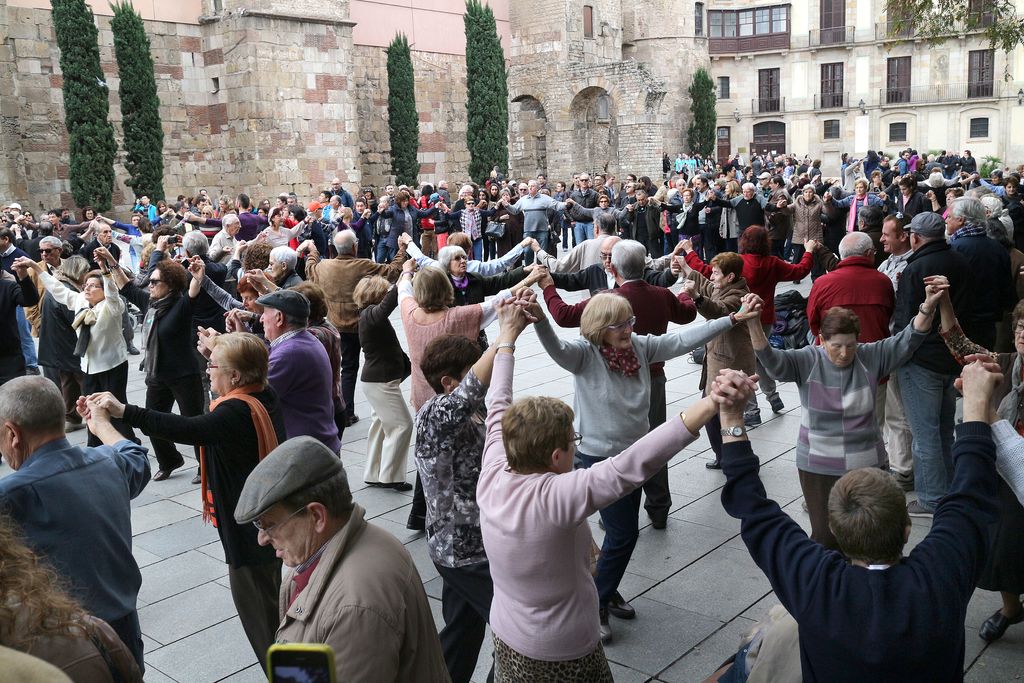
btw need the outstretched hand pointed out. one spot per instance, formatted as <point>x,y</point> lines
<point>750,307</point>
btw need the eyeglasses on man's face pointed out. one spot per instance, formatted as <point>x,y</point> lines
<point>258,523</point>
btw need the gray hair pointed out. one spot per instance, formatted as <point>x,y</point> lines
<point>51,241</point>
<point>993,206</point>
<point>445,256</point>
<point>855,244</point>
<point>969,209</point>
<point>606,223</point>
<point>345,241</point>
<point>284,255</point>
<point>34,404</point>
<point>229,219</point>
<point>752,186</point>
<point>629,258</point>
<point>195,243</point>
<point>74,268</point>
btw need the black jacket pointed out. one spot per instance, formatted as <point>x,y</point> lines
<point>176,356</point>
<point>933,258</point>
<point>385,360</point>
<point>480,287</point>
<point>13,294</point>
<point>57,339</point>
<point>992,291</point>
<point>595,279</point>
<point>206,311</point>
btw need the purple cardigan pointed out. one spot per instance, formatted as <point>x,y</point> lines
<point>536,534</point>
<point>300,373</point>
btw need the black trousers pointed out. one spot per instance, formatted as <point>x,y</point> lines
<point>161,395</point>
<point>349,369</point>
<point>114,380</point>
<point>466,605</point>
<point>658,497</point>
<point>129,631</point>
<point>255,590</point>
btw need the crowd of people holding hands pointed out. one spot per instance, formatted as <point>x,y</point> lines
<point>254,318</point>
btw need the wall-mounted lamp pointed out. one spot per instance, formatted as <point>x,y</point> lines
<point>1020,97</point>
<point>863,106</point>
<point>736,114</point>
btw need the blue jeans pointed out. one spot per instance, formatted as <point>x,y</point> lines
<point>621,531</point>
<point>930,412</point>
<point>28,347</point>
<point>583,231</point>
<point>542,238</point>
<point>385,254</point>
<point>478,249</point>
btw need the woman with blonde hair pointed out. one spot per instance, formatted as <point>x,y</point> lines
<point>610,360</point>
<point>39,618</point>
<point>385,368</point>
<point>242,427</point>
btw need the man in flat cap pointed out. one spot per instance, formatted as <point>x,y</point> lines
<point>351,585</point>
<point>926,382</point>
<point>300,370</point>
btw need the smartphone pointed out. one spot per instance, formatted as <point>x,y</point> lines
<point>300,663</point>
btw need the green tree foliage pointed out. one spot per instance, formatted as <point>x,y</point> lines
<point>403,121</point>
<point>487,88</point>
<point>140,105</point>
<point>700,136</point>
<point>90,135</point>
<point>940,19</point>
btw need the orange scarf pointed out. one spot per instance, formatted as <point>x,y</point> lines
<point>266,439</point>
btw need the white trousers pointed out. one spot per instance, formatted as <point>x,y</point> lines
<point>387,444</point>
<point>895,428</point>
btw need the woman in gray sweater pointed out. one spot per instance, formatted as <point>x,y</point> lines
<point>612,380</point>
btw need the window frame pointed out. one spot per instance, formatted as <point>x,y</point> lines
<point>906,131</point>
<point>698,19</point>
<point>825,129</point>
<point>588,21</point>
<point>970,127</point>
<point>723,93</point>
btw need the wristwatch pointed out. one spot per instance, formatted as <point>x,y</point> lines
<point>735,432</point>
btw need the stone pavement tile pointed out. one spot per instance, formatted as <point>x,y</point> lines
<point>781,480</point>
<point>485,659</point>
<point>705,658</point>
<point>691,478</point>
<point>177,574</point>
<point>177,538</point>
<point>148,644</point>
<point>983,604</point>
<point>214,550</point>
<point>708,511</point>
<point>420,556</point>
<point>144,557</point>
<point>653,640</point>
<point>634,585</point>
<point>253,674</point>
<point>759,611</point>
<point>154,676</point>
<point>740,584</point>
<point>622,674</point>
<point>183,614</point>
<point>145,497</point>
<point>767,450</point>
<point>159,514</point>
<point>659,555</point>
<point>206,656</point>
<point>397,529</point>
<point>190,499</point>
<point>378,501</point>
<point>180,481</point>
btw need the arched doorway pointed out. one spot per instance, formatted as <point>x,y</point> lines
<point>527,137</point>
<point>769,138</point>
<point>595,137</point>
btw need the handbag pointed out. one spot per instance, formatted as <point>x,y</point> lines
<point>495,230</point>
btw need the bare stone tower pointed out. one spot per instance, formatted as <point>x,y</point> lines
<point>577,103</point>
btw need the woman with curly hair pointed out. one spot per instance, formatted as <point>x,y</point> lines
<point>39,618</point>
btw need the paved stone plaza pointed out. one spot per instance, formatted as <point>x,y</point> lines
<point>694,587</point>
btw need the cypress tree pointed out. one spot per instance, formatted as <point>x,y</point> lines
<point>487,88</point>
<point>700,136</point>
<point>140,105</point>
<point>403,121</point>
<point>90,135</point>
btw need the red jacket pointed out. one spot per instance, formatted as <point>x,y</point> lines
<point>653,307</point>
<point>762,273</point>
<point>856,285</point>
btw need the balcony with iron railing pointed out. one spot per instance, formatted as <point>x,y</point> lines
<point>949,92</point>
<point>886,30</point>
<point>835,36</point>
<point>767,105</point>
<point>832,100</point>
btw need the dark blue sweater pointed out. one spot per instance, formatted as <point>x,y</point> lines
<point>904,623</point>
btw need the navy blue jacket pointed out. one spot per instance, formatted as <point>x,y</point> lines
<point>991,282</point>
<point>904,623</point>
<point>73,506</point>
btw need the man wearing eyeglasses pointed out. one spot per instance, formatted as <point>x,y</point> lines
<point>351,585</point>
<point>586,197</point>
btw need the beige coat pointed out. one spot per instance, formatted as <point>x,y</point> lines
<point>366,600</point>
<point>79,658</point>
<point>806,219</point>
<point>733,348</point>
<point>339,277</point>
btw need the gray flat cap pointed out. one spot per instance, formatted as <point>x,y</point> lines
<point>294,466</point>
<point>287,301</point>
<point>927,224</point>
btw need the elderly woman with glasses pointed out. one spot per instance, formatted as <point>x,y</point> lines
<point>172,370</point>
<point>242,427</point>
<point>1004,568</point>
<point>609,360</point>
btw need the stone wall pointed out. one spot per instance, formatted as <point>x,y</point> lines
<point>440,101</point>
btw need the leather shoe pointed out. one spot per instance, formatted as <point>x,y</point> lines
<point>351,420</point>
<point>198,479</point>
<point>619,608</point>
<point>606,629</point>
<point>658,519</point>
<point>416,523</point>
<point>163,474</point>
<point>715,464</point>
<point>402,486</point>
<point>995,626</point>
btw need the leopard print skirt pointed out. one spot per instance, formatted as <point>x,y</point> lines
<point>513,667</point>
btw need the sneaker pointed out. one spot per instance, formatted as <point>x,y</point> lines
<point>132,351</point>
<point>606,629</point>
<point>776,403</point>
<point>619,608</point>
<point>915,509</point>
<point>752,419</point>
